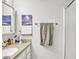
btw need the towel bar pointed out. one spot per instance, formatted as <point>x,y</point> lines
<point>48,23</point>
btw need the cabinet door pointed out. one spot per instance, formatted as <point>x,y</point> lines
<point>29,56</point>
<point>28,49</point>
<point>22,56</point>
<point>29,52</point>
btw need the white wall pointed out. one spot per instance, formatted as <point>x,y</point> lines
<point>71,31</point>
<point>43,11</point>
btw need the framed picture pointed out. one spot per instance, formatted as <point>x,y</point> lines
<point>26,19</point>
<point>6,20</point>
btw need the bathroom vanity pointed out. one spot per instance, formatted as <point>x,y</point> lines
<point>23,51</point>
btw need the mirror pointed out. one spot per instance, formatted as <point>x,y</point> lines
<point>7,18</point>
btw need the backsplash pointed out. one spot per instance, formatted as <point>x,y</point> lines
<point>6,36</point>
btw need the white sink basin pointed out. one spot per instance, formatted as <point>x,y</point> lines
<point>9,51</point>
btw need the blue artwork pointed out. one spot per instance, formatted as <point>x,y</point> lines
<point>6,20</point>
<point>26,19</point>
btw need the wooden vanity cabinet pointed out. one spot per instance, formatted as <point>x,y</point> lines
<point>25,54</point>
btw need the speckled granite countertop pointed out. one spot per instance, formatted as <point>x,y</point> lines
<point>20,47</point>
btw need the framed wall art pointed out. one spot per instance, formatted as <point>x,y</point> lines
<point>6,20</point>
<point>26,20</point>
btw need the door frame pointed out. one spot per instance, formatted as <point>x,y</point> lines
<point>64,31</point>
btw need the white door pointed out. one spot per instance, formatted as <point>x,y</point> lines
<point>71,31</point>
